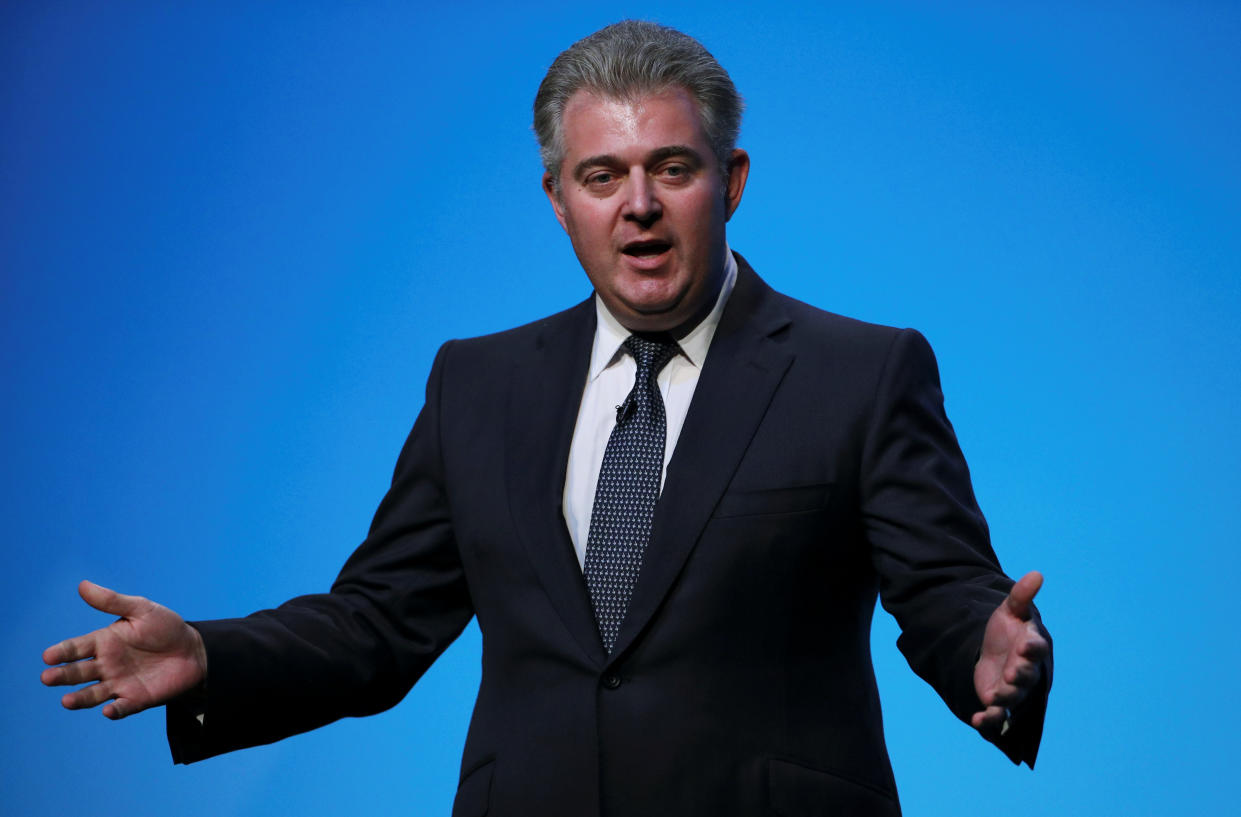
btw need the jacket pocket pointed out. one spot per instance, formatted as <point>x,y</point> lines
<point>793,499</point>
<point>794,790</point>
<point>474,792</point>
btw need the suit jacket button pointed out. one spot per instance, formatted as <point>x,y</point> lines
<point>611,681</point>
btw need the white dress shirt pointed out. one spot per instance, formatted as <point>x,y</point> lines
<point>609,381</point>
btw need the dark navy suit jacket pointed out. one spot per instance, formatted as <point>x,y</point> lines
<point>816,470</point>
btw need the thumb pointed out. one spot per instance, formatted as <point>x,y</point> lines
<point>1022,595</point>
<point>108,601</point>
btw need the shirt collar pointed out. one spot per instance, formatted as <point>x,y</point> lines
<point>610,334</point>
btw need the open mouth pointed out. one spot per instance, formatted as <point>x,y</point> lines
<point>646,249</point>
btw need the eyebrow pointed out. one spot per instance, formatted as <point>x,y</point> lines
<point>658,155</point>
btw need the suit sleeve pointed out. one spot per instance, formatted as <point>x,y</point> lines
<point>938,575</point>
<point>399,601</point>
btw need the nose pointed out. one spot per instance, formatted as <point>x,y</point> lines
<point>641,200</point>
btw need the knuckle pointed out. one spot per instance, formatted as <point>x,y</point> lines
<point>100,692</point>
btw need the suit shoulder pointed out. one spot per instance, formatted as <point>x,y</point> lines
<point>859,350</point>
<point>817,324</point>
<point>517,341</point>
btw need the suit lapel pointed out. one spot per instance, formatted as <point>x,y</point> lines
<point>543,403</point>
<point>743,368</point>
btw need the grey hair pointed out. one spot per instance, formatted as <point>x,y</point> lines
<point>629,59</point>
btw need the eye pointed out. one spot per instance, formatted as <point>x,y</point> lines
<point>674,172</point>
<point>599,180</point>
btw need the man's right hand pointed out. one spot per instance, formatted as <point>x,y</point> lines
<point>145,658</point>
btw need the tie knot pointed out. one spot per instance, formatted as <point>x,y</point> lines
<point>651,355</point>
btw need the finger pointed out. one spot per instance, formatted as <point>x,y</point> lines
<point>109,601</point>
<point>1028,654</point>
<point>1021,671</point>
<point>1022,594</point>
<point>1004,690</point>
<point>79,672</point>
<point>997,693</point>
<point>120,708</point>
<point>989,720</point>
<point>1035,646</point>
<point>1023,674</point>
<point>88,696</point>
<point>72,649</point>
<point>992,715</point>
<point>1007,695</point>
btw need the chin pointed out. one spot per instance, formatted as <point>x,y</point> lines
<point>658,298</point>
<point>653,312</point>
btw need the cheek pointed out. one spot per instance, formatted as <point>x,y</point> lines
<point>588,230</point>
<point>694,217</point>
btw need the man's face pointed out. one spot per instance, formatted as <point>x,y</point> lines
<point>644,203</point>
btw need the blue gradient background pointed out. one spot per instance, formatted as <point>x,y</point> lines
<point>233,236</point>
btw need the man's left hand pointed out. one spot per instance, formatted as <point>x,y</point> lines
<point>1010,662</point>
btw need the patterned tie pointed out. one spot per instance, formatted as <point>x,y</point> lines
<point>624,509</point>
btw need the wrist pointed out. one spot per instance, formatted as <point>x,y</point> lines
<point>198,655</point>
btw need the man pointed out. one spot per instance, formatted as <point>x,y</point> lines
<point>670,507</point>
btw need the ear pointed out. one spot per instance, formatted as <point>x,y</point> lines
<point>553,195</point>
<point>738,172</point>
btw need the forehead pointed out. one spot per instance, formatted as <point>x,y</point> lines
<point>595,124</point>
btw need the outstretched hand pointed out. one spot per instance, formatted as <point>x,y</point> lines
<point>1009,664</point>
<point>145,658</point>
